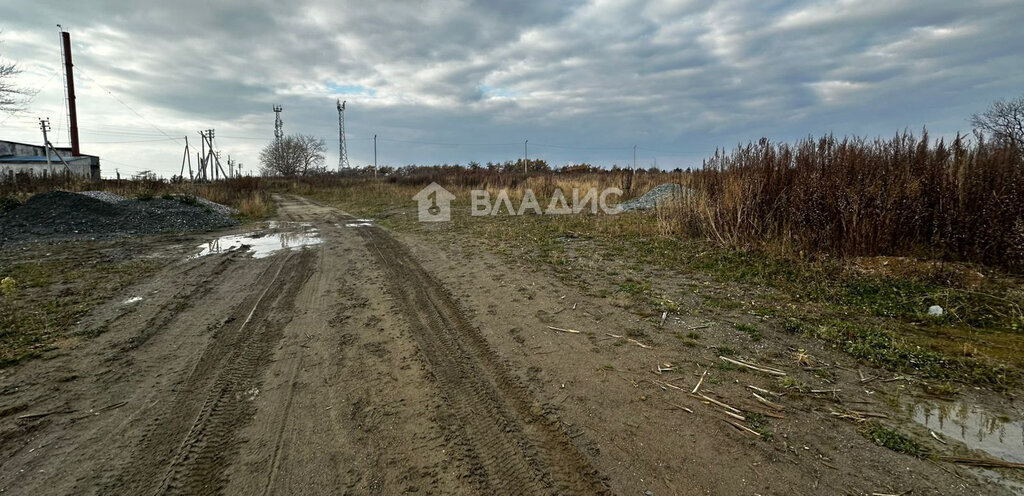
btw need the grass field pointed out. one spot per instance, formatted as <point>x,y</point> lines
<point>845,241</point>
<point>874,308</point>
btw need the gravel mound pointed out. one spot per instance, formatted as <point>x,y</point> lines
<point>105,196</point>
<point>7,204</point>
<point>216,207</point>
<point>656,196</point>
<point>60,215</point>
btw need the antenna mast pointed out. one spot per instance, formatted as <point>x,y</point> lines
<point>278,125</point>
<point>342,147</point>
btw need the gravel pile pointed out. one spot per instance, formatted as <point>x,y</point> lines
<point>109,197</point>
<point>659,194</point>
<point>7,204</point>
<point>60,215</point>
<point>216,207</point>
<point>104,196</point>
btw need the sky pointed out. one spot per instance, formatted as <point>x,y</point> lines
<point>454,81</point>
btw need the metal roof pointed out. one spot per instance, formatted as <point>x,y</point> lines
<point>31,159</point>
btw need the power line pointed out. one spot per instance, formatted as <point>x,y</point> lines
<point>32,97</point>
<point>128,107</point>
<point>582,147</point>
<point>447,144</point>
<point>135,141</point>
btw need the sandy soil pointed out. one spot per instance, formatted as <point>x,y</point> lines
<point>382,363</point>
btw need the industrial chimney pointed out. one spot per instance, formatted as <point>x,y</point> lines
<point>69,75</point>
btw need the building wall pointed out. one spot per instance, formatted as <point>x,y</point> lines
<point>87,166</point>
<point>20,149</point>
<point>80,167</point>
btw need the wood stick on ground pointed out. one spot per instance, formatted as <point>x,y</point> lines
<point>858,416</point>
<point>694,328</point>
<point>701,381</point>
<point>765,391</point>
<point>631,340</point>
<point>683,408</point>
<point>115,406</point>
<point>673,386</point>
<point>742,427</point>
<point>766,370</point>
<point>33,416</point>
<point>736,416</point>
<point>719,403</point>
<point>664,315</point>
<point>571,331</point>
<point>897,378</point>
<point>769,404</point>
<point>980,462</point>
<point>768,413</point>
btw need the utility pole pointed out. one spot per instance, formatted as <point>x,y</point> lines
<point>212,157</point>
<point>45,126</point>
<point>342,146</point>
<point>634,158</point>
<point>375,155</point>
<point>191,178</point>
<point>202,157</point>
<point>526,156</point>
<point>185,157</point>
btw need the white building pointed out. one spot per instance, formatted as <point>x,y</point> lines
<point>18,159</point>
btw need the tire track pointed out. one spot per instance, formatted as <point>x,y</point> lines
<point>188,452</point>
<point>184,298</point>
<point>514,448</point>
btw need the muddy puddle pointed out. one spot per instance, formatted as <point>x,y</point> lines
<point>997,435</point>
<point>261,244</point>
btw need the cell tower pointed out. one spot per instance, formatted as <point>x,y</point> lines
<point>278,125</point>
<point>342,147</point>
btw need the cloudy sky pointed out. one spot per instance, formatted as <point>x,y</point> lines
<point>456,80</point>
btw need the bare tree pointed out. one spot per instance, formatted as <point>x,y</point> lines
<point>1003,121</point>
<point>295,155</point>
<point>10,95</point>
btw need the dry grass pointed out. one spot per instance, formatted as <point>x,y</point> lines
<point>852,197</point>
<point>906,196</point>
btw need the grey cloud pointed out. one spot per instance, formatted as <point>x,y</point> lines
<point>682,77</point>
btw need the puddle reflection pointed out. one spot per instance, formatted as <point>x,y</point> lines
<point>979,429</point>
<point>261,245</point>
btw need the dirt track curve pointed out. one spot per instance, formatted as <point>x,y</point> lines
<point>343,367</point>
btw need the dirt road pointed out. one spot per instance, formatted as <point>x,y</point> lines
<point>341,367</point>
<point>371,362</point>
